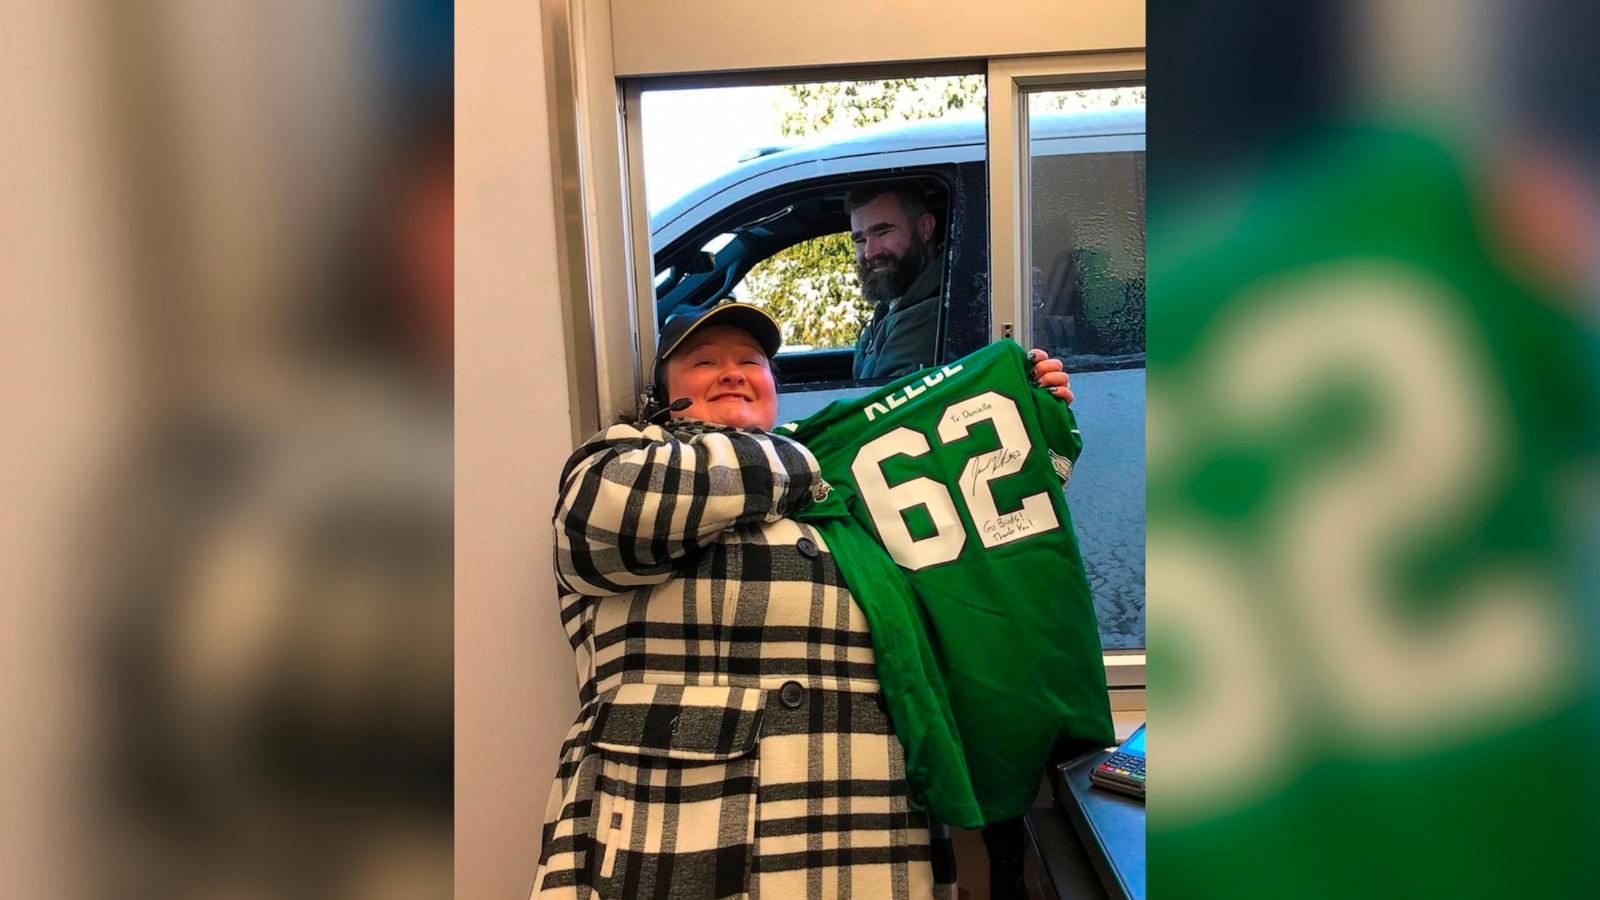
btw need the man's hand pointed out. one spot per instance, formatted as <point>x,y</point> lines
<point>1051,374</point>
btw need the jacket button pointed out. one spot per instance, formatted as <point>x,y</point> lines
<point>792,694</point>
<point>807,546</point>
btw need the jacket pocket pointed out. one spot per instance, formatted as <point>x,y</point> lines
<point>676,793</point>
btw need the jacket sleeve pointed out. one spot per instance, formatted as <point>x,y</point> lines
<point>635,501</point>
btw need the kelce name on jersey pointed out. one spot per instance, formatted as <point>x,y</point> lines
<point>901,397</point>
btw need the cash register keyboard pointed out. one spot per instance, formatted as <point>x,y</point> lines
<point>1125,764</point>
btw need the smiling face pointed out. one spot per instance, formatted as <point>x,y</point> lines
<point>891,247</point>
<point>726,374</point>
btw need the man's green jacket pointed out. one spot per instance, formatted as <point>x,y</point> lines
<point>900,338</point>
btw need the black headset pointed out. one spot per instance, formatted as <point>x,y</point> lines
<point>651,410</point>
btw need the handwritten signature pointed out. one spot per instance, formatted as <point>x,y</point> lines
<point>991,461</point>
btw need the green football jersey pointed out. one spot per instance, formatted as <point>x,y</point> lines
<point>1374,414</point>
<point>948,521</point>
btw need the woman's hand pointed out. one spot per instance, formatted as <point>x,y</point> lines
<point>1051,374</point>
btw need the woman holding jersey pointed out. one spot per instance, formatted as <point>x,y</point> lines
<point>732,737</point>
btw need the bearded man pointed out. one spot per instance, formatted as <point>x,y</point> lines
<point>901,269</point>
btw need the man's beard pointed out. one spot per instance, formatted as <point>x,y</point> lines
<point>891,281</point>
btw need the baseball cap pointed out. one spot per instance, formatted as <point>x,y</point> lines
<point>753,319</point>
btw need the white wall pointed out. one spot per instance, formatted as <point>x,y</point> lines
<point>515,693</point>
<point>656,37</point>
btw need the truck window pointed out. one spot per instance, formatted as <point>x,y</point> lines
<point>746,189</point>
<point>813,291</point>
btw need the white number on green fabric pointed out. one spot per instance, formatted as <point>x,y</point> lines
<point>1395,688</point>
<point>887,503</point>
<point>995,528</point>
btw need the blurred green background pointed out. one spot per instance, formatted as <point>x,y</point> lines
<point>1372,426</point>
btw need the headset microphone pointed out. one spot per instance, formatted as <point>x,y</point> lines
<point>678,405</point>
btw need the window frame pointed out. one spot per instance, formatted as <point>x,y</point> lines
<point>602,229</point>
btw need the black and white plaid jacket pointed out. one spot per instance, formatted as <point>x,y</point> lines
<point>733,740</point>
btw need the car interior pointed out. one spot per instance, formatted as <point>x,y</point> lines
<point>702,268</point>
